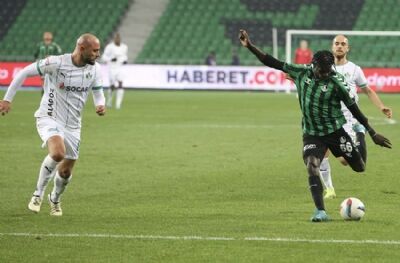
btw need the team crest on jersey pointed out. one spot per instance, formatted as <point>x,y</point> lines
<point>324,88</point>
<point>88,75</point>
<point>61,85</point>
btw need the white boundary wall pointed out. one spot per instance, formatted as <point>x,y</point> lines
<point>202,77</point>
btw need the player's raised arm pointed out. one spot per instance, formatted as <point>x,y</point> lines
<point>28,71</point>
<point>266,59</point>
<point>376,137</point>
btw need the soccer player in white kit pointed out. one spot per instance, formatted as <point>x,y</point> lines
<point>68,79</point>
<point>115,55</point>
<point>354,77</point>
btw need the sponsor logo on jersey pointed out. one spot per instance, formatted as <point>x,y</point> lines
<point>76,89</point>
<point>308,81</point>
<point>88,75</point>
<point>309,147</point>
<point>61,85</point>
<point>324,88</point>
<point>50,104</point>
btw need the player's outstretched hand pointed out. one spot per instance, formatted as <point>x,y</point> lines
<point>5,107</point>
<point>381,140</point>
<point>101,110</point>
<point>244,38</point>
<point>387,111</point>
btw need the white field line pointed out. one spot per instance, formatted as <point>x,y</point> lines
<point>377,121</point>
<point>204,238</point>
<point>216,126</point>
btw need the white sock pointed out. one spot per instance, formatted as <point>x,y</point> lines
<point>47,171</point>
<point>110,98</point>
<point>325,170</point>
<point>59,186</point>
<point>120,96</point>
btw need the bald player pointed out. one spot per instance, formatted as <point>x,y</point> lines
<point>354,77</point>
<point>68,79</point>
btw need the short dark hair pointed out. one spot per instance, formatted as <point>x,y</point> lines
<point>324,59</point>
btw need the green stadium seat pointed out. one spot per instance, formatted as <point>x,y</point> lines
<point>66,19</point>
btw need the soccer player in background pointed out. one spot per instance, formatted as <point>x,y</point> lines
<point>303,54</point>
<point>320,90</point>
<point>354,77</point>
<point>211,59</point>
<point>47,47</point>
<point>115,55</point>
<point>68,80</point>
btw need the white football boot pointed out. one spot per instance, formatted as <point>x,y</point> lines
<point>55,208</point>
<point>35,203</point>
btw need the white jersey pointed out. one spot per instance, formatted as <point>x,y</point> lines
<point>112,51</point>
<point>354,77</point>
<point>66,88</point>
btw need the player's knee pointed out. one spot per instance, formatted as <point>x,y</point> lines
<point>65,172</point>
<point>58,155</point>
<point>312,164</point>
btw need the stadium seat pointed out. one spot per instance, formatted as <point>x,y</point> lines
<point>67,19</point>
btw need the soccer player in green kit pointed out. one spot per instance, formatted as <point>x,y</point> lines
<point>320,90</point>
<point>47,47</point>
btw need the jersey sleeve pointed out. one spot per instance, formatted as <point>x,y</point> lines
<point>107,55</point>
<point>294,70</point>
<point>97,87</point>
<point>28,71</point>
<point>343,90</point>
<point>360,79</point>
<point>58,49</point>
<point>48,65</point>
<point>98,80</point>
<point>125,55</point>
<point>37,51</point>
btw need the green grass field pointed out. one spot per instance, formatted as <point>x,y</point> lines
<point>189,177</point>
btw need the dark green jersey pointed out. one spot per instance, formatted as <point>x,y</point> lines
<point>319,99</point>
<point>43,50</point>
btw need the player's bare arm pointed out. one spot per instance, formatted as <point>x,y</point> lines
<point>266,59</point>
<point>376,137</point>
<point>377,102</point>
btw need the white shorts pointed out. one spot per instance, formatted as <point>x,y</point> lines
<point>47,127</point>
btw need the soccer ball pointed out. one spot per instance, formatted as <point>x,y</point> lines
<point>352,209</point>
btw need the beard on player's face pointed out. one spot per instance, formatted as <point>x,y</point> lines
<point>88,60</point>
